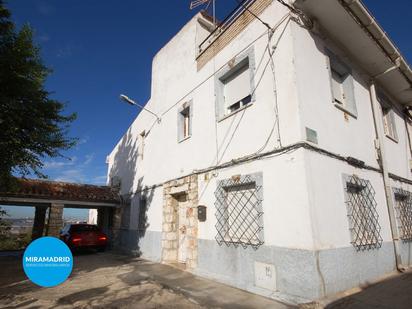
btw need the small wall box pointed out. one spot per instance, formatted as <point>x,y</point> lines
<point>201,213</point>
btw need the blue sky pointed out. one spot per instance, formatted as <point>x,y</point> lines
<point>99,49</point>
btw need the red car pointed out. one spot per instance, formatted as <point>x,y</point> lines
<point>78,236</point>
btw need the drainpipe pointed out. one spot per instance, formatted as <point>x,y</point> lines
<point>385,173</point>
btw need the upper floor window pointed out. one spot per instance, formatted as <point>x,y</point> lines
<point>184,121</point>
<point>235,85</point>
<point>236,88</point>
<point>388,116</point>
<point>342,85</point>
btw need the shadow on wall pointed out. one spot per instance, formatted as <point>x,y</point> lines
<point>137,198</point>
<point>134,220</point>
<point>125,163</point>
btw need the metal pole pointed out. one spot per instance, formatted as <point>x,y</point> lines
<point>385,175</point>
<point>214,14</point>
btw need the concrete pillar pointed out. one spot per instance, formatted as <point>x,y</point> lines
<point>55,220</point>
<point>39,220</point>
<point>103,219</point>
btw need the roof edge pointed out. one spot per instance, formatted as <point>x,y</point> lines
<point>361,14</point>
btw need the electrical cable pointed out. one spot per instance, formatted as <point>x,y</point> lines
<point>280,151</point>
<point>246,8</point>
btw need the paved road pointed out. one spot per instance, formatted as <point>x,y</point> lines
<point>393,293</point>
<point>108,280</point>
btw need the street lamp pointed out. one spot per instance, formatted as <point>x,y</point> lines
<point>126,99</point>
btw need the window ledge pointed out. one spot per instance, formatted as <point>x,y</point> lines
<point>344,109</point>
<point>235,112</point>
<point>392,138</point>
<point>184,139</point>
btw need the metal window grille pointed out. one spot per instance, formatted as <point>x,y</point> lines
<point>403,201</point>
<point>239,212</point>
<point>142,214</point>
<point>363,216</point>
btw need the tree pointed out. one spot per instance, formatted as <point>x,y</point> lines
<point>32,124</point>
<point>5,226</point>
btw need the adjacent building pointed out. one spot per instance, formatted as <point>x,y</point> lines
<point>279,161</point>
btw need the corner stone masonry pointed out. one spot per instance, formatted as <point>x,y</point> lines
<point>55,220</point>
<point>171,191</point>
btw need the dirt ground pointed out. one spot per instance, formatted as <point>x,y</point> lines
<point>108,280</point>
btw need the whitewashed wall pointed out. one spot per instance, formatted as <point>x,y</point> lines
<point>175,80</point>
<point>344,135</point>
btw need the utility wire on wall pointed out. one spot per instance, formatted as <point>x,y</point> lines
<point>270,33</point>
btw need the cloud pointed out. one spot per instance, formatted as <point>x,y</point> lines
<point>65,52</point>
<point>44,38</point>
<point>83,140</point>
<point>88,159</point>
<point>45,8</point>
<point>72,175</point>
<point>60,164</point>
<point>77,171</point>
<point>99,180</point>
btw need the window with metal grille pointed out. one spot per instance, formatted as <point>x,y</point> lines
<point>142,214</point>
<point>239,211</point>
<point>403,202</point>
<point>362,213</point>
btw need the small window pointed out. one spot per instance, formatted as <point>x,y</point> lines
<point>236,87</point>
<point>388,117</point>
<point>342,85</point>
<point>184,121</point>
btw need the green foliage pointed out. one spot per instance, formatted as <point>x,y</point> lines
<point>15,241</point>
<point>5,226</point>
<point>32,125</point>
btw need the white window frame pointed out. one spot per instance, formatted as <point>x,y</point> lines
<point>184,121</point>
<point>388,118</point>
<point>226,109</point>
<point>346,102</point>
<point>248,219</point>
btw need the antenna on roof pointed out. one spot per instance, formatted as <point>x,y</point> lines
<point>195,3</point>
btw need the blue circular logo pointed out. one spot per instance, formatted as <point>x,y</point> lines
<point>47,261</point>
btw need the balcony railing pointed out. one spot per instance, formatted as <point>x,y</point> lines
<point>225,24</point>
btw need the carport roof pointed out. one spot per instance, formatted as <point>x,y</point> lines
<point>54,190</point>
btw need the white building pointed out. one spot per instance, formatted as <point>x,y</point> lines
<point>282,160</point>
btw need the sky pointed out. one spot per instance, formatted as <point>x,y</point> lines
<point>100,49</point>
